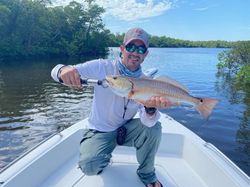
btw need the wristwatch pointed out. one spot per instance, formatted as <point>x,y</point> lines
<point>150,110</point>
<point>58,74</point>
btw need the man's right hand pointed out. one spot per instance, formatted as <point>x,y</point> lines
<point>70,76</point>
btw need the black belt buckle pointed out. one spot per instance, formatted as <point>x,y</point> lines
<point>121,135</point>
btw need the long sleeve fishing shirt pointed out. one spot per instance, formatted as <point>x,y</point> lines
<point>109,111</point>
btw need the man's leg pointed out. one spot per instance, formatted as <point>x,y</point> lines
<point>95,151</point>
<point>146,140</point>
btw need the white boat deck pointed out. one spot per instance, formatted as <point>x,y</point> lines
<point>183,160</point>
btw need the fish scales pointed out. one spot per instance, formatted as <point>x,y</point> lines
<point>160,88</point>
<point>143,89</point>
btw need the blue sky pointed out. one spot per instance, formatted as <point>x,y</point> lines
<point>182,19</point>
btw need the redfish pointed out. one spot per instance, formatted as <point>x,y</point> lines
<point>142,89</point>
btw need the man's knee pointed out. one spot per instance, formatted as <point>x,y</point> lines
<point>94,165</point>
<point>155,132</point>
<point>156,129</point>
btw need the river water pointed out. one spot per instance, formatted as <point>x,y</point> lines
<point>33,106</point>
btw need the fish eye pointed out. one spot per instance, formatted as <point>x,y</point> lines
<point>114,78</point>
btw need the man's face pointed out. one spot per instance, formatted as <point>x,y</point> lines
<point>134,55</point>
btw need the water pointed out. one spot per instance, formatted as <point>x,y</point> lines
<point>32,106</point>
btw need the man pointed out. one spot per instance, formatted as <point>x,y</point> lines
<point>111,119</point>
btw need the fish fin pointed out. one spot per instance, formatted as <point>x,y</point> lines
<point>130,94</point>
<point>169,80</point>
<point>206,106</point>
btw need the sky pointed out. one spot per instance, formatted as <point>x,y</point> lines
<point>181,19</point>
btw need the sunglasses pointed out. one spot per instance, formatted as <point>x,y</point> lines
<point>141,49</point>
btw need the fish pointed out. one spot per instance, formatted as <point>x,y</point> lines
<point>142,89</point>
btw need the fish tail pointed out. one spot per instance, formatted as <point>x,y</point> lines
<point>205,106</point>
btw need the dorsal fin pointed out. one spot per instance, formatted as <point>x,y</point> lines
<point>169,80</point>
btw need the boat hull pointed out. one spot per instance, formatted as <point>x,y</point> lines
<point>183,160</point>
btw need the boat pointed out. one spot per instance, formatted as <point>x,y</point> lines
<point>183,160</point>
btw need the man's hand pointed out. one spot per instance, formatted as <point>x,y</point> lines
<point>70,76</point>
<point>158,102</point>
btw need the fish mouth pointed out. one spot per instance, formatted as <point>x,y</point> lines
<point>106,80</point>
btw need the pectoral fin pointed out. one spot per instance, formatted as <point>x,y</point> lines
<point>130,94</point>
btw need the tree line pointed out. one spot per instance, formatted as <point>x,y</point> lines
<point>34,28</point>
<point>163,41</point>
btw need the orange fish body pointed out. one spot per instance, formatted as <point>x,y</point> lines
<point>142,89</point>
